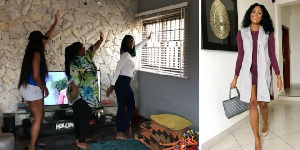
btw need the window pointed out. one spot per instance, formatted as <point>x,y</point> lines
<point>166,52</point>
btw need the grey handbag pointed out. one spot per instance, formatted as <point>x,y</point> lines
<point>234,106</point>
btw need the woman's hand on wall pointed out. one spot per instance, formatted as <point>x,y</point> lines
<point>57,16</point>
<point>99,42</point>
<point>101,36</point>
<point>109,90</point>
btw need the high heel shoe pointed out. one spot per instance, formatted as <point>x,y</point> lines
<point>265,133</point>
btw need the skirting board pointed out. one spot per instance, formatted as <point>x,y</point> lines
<point>289,98</point>
<point>282,92</point>
<point>210,143</point>
<point>295,85</point>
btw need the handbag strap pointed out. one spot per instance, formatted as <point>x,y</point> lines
<point>237,90</point>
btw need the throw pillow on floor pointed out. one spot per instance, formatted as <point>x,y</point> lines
<point>171,121</point>
<point>163,135</point>
<point>147,139</point>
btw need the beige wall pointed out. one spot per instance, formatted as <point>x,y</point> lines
<point>295,44</point>
<point>286,16</point>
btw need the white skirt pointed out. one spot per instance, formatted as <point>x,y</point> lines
<point>31,92</point>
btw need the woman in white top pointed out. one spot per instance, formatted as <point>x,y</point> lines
<point>121,83</point>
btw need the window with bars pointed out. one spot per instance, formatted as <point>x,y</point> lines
<point>166,52</point>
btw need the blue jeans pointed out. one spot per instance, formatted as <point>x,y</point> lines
<point>125,98</point>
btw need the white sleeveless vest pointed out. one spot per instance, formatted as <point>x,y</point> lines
<point>263,66</point>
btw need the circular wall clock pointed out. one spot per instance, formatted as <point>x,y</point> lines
<point>219,20</point>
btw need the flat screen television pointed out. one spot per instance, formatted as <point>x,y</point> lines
<point>56,83</point>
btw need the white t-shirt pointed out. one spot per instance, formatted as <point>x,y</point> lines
<point>126,64</point>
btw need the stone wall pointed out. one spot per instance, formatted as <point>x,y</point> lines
<point>79,22</point>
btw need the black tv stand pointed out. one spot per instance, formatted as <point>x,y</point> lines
<point>64,106</point>
<point>63,116</point>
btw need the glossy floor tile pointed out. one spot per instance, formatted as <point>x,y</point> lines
<point>284,130</point>
<point>236,148</point>
<point>285,127</point>
<point>271,144</point>
<point>227,143</point>
<point>292,139</point>
<point>292,92</point>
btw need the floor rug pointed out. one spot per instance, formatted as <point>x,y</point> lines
<point>129,144</point>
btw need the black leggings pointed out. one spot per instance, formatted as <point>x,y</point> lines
<point>125,97</point>
<point>82,114</point>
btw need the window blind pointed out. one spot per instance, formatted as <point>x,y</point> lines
<point>166,52</point>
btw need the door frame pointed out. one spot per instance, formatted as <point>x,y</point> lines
<point>286,57</point>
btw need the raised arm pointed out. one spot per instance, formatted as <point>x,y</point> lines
<point>98,43</point>
<point>50,31</point>
<point>139,45</point>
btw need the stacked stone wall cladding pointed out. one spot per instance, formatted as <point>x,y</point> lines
<point>79,22</point>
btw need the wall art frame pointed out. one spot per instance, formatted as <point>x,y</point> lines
<point>219,20</point>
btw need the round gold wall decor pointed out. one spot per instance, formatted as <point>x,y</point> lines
<point>219,20</point>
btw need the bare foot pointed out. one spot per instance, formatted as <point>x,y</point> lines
<point>122,136</point>
<point>86,140</point>
<point>30,148</point>
<point>117,137</point>
<point>84,145</point>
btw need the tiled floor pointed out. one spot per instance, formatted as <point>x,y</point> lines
<point>284,131</point>
<point>66,141</point>
<point>293,92</point>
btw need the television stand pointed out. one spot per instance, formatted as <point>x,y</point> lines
<point>62,122</point>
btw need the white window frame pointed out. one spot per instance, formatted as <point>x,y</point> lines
<point>166,52</point>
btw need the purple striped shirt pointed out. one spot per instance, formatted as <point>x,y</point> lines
<point>253,69</point>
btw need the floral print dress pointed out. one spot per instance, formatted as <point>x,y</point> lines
<point>83,72</point>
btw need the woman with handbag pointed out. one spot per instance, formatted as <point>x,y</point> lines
<point>256,52</point>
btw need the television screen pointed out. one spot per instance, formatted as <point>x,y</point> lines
<point>56,83</point>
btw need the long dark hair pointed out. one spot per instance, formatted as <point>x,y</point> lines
<point>70,54</point>
<point>32,47</point>
<point>266,20</point>
<point>124,48</point>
